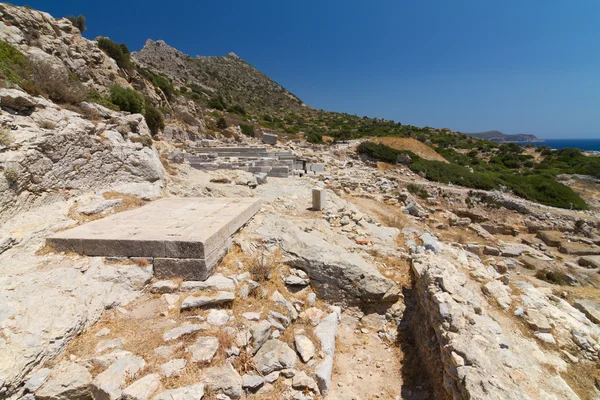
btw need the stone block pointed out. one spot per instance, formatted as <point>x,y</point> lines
<point>319,199</point>
<point>269,138</point>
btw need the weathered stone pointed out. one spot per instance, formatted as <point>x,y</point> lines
<point>217,317</point>
<point>304,347</point>
<point>293,280</point>
<point>108,384</point>
<point>204,349</point>
<point>499,292</point>
<point>430,242</point>
<point>537,321</point>
<point>191,302</point>
<point>173,367</point>
<point>551,238</point>
<point>319,199</point>
<point>180,331</point>
<point>167,351</point>
<point>224,380</point>
<point>251,316</point>
<point>274,355</point>
<point>17,101</point>
<point>215,282</point>
<point>109,344</point>
<point>335,273</point>
<point>252,382</point>
<point>260,334</point>
<point>163,287</point>
<point>67,381</point>
<point>37,379</point>
<point>590,308</point>
<point>143,388</point>
<point>511,251</point>
<point>323,373</point>
<point>590,261</point>
<point>280,299</point>
<point>302,381</point>
<point>191,392</point>
<point>578,249</point>
<point>326,331</point>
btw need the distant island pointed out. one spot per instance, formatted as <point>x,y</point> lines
<point>499,137</point>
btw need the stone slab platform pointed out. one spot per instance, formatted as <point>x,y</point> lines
<point>172,228</point>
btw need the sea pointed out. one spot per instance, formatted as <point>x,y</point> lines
<point>582,144</point>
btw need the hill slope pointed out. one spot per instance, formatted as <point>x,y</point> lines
<point>234,79</point>
<point>499,137</point>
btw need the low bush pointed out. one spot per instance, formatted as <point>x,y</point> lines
<point>127,99</point>
<point>57,84</point>
<point>417,190</point>
<point>14,65</point>
<point>247,130</point>
<point>378,151</point>
<point>217,102</point>
<point>315,138</point>
<point>115,51</point>
<point>154,119</point>
<point>221,123</point>
<point>78,22</point>
<point>237,109</point>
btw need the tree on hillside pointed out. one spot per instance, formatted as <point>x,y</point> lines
<point>78,21</point>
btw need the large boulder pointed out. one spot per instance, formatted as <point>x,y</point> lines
<point>67,381</point>
<point>335,273</point>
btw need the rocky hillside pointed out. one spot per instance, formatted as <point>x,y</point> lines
<point>499,137</point>
<point>230,77</point>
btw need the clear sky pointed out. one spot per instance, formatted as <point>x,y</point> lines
<point>526,66</point>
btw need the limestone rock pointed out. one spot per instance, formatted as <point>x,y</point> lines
<point>274,355</point>
<point>201,301</point>
<point>191,392</point>
<point>204,349</point>
<point>143,388</point>
<point>67,381</point>
<point>252,382</point>
<point>302,381</point>
<point>173,367</point>
<point>224,380</point>
<point>163,287</point>
<point>176,333</point>
<point>109,344</point>
<point>217,317</point>
<point>108,384</point>
<point>590,308</point>
<point>326,331</point>
<point>214,282</point>
<point>335,273</point>
<point>260,334</point>
<point>323,374</point>
<point>304,347</point>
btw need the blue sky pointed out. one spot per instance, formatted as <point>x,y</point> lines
<point>528,66</point>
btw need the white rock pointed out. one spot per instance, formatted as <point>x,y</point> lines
<point>217,317</point>
<point>224,380</point>
<point>251,316</point>
<point>109,344</point>
<point>204,349</point>
<point>176,333</point>
<point>108,384</point>
<point>191,392</point>
<point>191,302</point>
<point>102,332</point>
<point>304,347</point>
<point>252,382</point>
<point>143,388</point>
<point>67,381</point>
<point>260,334</point>
<point>214,282</point>
<point>163,287</point>
<point>173,367</point>
<point>274,355</point>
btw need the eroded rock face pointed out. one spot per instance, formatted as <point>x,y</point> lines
<point>335,273</point>
<point>470,343</point>
<point>72,302</point>
<point>67,381</point>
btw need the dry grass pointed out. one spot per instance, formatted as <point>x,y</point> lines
<point>47,124</point>
<point>582,377</point>
<point>262,266</point>
<point>171,170</point>
<point>244,363</point>
<point>420,149</point>
<point>128,201</point>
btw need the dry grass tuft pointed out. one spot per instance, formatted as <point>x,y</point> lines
<point>262,266</point>
<point>128,201</point>
<point>244,363</point>
<point>582,377</point>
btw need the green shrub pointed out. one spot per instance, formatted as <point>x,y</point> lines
<point>154,119</point>
<point>57,84</point>
<point>237,109</point>
<point>127,99</point>
<point>158,81</point>
<point>418,190</point>
<point>247,130</point>
<point>217,103</point>
<point>14,65</point>
<point>221,123</point>
<point>378,151</point>
<point>315,138</point>
<point>78,22</point>
<point>115,51</point>
<point>95,97</point>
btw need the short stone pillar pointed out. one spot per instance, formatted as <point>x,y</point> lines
<point>318,199</point>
